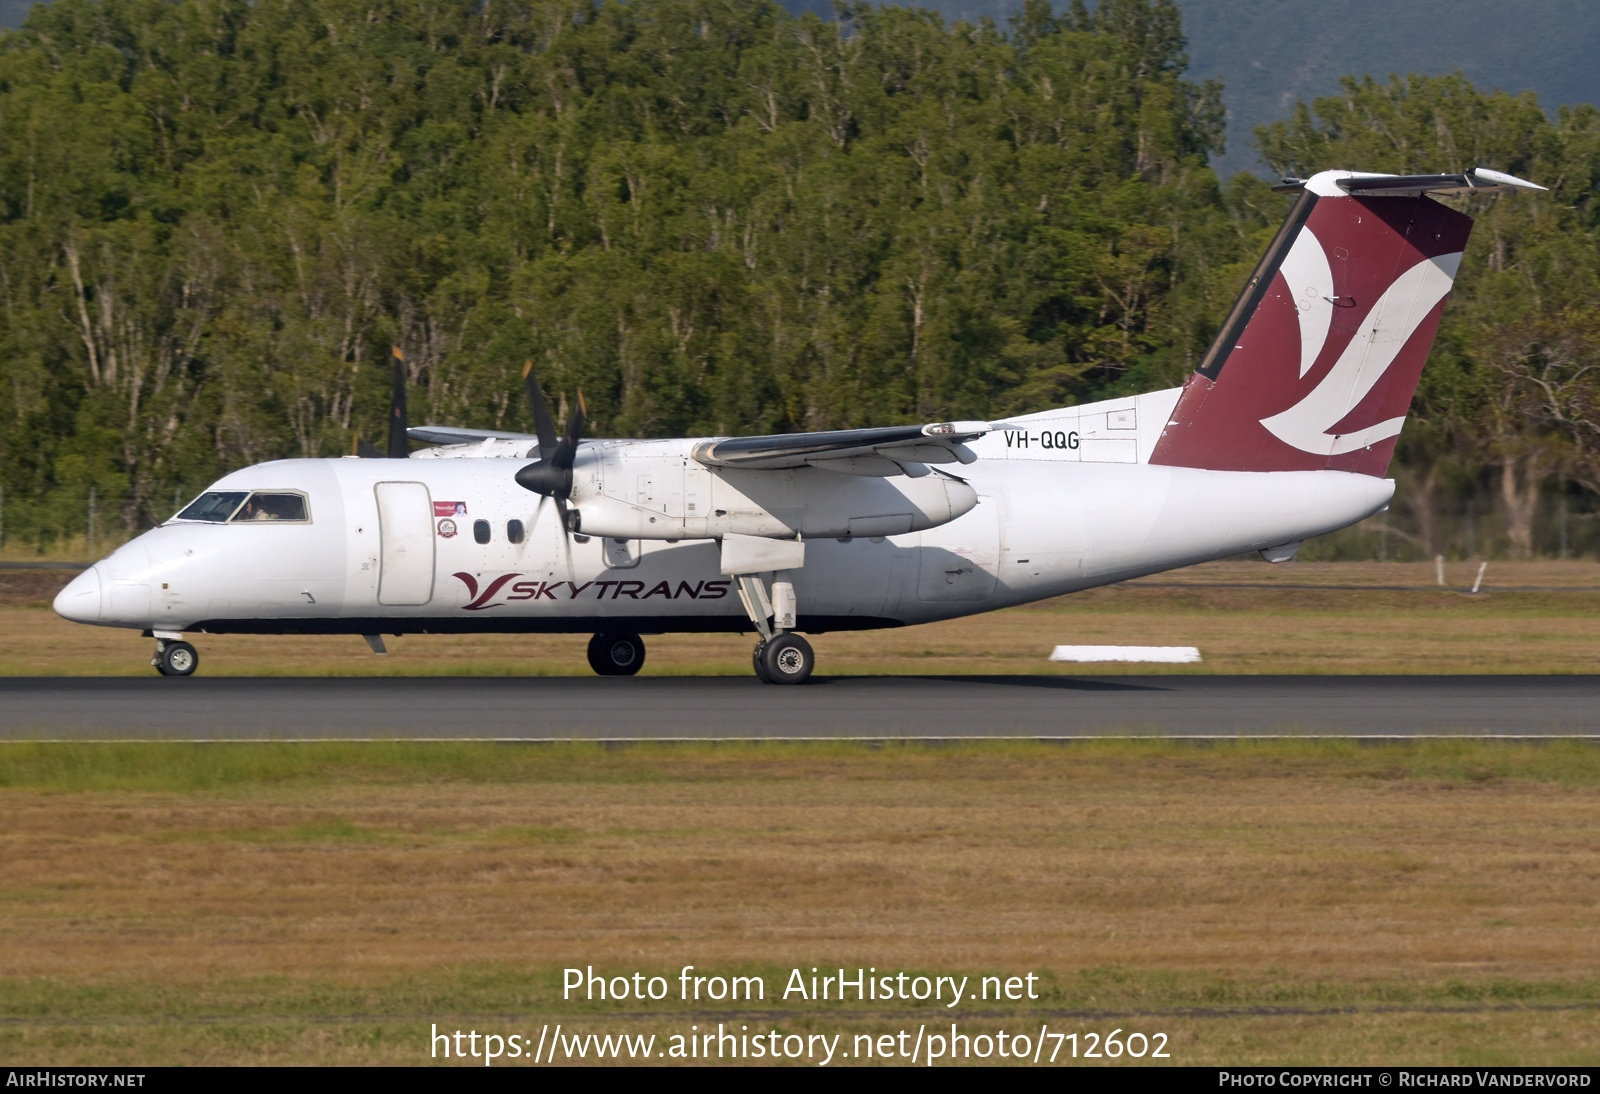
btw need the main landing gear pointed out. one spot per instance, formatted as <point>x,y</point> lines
<point>175,658</point>
<point>616,653</point>
<point>784,659</point>
<point>781,657</point>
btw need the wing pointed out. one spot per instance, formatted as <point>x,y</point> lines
<point>449,434</point>
<point>884,451</point>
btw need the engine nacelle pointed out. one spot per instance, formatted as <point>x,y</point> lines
<point>655,490</point>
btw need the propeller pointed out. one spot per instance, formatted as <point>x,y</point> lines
<point>551,474</point>
<point>399,448</point>
<point>543,425</point>
<point>399,445</point>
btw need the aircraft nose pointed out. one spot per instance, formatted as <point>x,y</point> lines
<point>80,600</point>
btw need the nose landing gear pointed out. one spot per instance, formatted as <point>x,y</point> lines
<point>175,658</point>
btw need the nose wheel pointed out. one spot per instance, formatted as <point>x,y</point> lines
<point>613,653</point>
<point>784,659</point>
<point>175,658</point>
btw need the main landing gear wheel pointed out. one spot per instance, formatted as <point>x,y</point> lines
<point>786,659</point>
<point>176,659</point>
<point>616,654</point>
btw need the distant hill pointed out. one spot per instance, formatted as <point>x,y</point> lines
<point>1271,52</point>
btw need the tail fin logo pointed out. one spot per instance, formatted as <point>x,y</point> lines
<point>1308,424</point>
<point>1306,271</point>
<point>1316,364</point>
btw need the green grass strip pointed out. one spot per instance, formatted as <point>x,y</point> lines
<point>198,767</point>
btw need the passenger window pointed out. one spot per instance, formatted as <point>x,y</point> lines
<point>271,506</point>
<point>214,506</point>
<point>514,531</point>
<point>480,531</point>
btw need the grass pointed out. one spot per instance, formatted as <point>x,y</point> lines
<point>1289,901</point>
<point>1298,618</point>
<point>1260,902</point>
<point>255,767</point>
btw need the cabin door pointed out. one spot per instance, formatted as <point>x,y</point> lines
<point>405,544</point>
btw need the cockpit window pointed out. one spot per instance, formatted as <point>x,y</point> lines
<point>271,506</point>
<point>215,506</point>
<point>238,506</point>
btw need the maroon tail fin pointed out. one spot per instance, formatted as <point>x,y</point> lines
<point>1316,364</point>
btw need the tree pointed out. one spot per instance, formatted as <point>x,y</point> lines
<point>216,216</point>
<point>1508,383</point>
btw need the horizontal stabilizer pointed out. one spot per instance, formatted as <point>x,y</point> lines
<point>1479,180</point>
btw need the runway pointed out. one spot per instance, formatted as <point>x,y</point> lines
<point>861,707</point>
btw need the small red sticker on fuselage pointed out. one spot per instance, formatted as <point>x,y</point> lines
<point>449,508</point>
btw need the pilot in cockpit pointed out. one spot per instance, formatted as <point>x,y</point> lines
<point>273,507</point>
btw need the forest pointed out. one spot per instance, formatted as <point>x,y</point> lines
<point>712,216</point>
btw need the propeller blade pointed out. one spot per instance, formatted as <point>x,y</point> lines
<point>544,425</point>
<point>566,538</point>
<point>399,446</point>
<point>575,427</point>
<point>567,450</point>
<point>566,532</point>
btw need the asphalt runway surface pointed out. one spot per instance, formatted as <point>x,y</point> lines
<point>861,707</point>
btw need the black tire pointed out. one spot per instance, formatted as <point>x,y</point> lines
<point>177,659</point>
<point>757,664</point>
<point>616,653</point>
<point>787,659</point>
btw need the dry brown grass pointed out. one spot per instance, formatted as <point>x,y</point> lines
<point>1137,878</point>
<point>1363,623</point>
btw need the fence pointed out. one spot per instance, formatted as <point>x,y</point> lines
<point>81,520</point>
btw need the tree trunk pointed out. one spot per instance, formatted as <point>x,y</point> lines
<point>1421,498</point>
<point>1519,490</point>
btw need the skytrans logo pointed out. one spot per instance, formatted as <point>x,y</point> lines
<point>571,590</point>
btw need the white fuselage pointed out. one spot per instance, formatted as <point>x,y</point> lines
<point>1042,527</point>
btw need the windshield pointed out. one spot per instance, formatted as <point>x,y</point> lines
<point>215,506</point>
<point>220,506</point>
